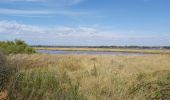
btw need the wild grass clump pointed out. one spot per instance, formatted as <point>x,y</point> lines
<point>5,71</point>
<point>15,47</point>
<point>71,64</point>
<point>152,89</point>
<point>42,84</point>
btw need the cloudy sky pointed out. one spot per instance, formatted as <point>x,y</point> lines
<point>86,22</point>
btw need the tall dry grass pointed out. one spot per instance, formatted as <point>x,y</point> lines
<point>91,77</point>
<point>5,74</point>
<point>5,71</point>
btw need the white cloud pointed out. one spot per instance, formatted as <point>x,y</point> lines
<point>24,0</point>
<point>24,12</point>
<point>12,1</point>
<point>70,2</point>
<point>12,28</point>
<point>37,10</point>
<point>60,2</point>
<point>40,12</point>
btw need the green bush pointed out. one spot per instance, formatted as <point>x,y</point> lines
<point>16,46</point>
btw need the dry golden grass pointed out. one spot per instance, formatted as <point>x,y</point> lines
<point>3,95</point>
<point>104,77</point>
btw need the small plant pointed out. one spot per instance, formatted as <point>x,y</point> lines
<point>140,76</point>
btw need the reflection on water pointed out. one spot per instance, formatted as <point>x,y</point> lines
<point>87,52</point>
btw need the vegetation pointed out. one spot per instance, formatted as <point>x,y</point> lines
<point>5,74</point>
<point>28,76</point>
<point>43,84</point>
<point>89,77</point>
<point>15,47</point>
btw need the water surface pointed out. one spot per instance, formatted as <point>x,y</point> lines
<point>87,52</point>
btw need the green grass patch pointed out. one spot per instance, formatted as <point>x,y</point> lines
<point>15,47</point>
<point>41,84</point>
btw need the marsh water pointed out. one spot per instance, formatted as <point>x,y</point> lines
<point>86,52</point>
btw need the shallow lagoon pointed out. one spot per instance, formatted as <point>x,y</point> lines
<point>87,52</point>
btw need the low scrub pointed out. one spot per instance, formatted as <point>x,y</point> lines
<point>16,46</point>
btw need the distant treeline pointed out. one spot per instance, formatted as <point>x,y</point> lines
<point>17,46</point>
<point>125,47</point>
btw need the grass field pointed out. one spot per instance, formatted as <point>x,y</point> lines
<point>89,77</point>
<point>146,51</point>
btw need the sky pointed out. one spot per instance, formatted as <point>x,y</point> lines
<point>86,22</point>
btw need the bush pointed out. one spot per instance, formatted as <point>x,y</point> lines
<point>16,46</point>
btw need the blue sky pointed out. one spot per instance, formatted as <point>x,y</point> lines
<point>86,22</point>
